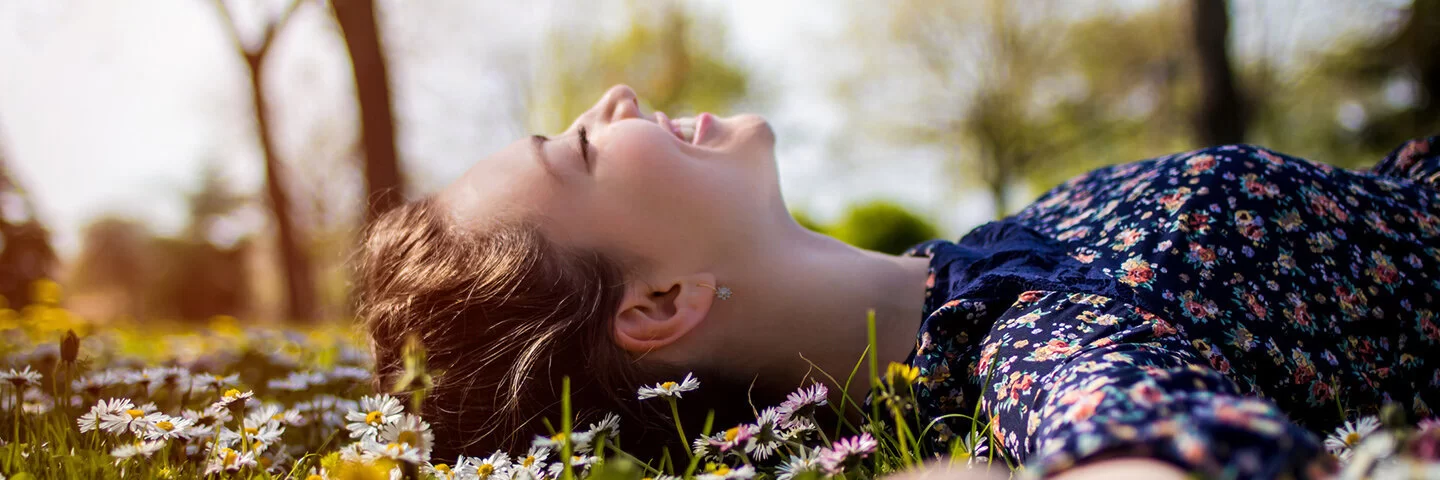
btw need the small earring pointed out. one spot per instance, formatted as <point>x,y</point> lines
<point>722,293</point>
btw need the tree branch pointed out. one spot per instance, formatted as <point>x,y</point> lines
<point>272,29</point>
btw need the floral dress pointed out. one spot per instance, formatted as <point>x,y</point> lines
<point>1210,309</point>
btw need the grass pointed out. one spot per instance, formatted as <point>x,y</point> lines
<point>221,401</point>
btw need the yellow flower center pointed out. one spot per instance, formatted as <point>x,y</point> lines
<point>314,476</point>
<point>722,470</point>
<point>231,393</point>
<point>731,434</point>
<point>485,470</point>
<point>669,385</point>
<point>442,468</point>
<point>135,413</point>
<point>530,460</point>
<point>278,417</point>
<point>1352,438</point>
<point>408,437</point>
<point>165,425</point>
<point>374,417</point>
<point>252,430</point>
<point>230,457</point>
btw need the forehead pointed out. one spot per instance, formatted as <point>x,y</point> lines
<point>509,183</point>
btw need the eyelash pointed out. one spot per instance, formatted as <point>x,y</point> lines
<point>584,146</point>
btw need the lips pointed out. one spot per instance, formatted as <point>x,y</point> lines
<point>691,130</point>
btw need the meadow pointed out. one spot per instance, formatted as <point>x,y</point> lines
<point>222,400</point>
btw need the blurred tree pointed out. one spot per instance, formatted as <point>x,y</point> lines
<point>124,269</point>
<point>1349,100</point>
<point>1222,118</point>
<point>384,188</point>
<point>25,252</point>
<point>299,275</point>
<point>883,226</point>
<point>668,55</point>
<point>994,87</point>
<point>116,266</point>
<point>1395,79</point>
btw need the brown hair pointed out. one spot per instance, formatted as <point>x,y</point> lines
<point>504,314</point>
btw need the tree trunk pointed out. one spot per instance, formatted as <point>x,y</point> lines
<point>299,277</point>
<point>384,188</point>
<point>1222,118</point>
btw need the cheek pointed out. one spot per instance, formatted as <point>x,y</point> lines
<point>647,168</point>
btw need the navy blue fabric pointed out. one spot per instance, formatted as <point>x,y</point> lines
<point>1220,309</point>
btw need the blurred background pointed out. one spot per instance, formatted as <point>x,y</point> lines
<point>182,159</point>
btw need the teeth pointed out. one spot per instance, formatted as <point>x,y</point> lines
<point>687,128</point>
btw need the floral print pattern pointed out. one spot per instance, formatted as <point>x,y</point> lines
<point>1210,309</point>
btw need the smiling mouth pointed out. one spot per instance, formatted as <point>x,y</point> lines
<point>691,130</point>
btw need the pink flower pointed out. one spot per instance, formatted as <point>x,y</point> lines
<point>847,452</point>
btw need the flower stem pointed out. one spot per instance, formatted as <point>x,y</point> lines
<point>675,414</point>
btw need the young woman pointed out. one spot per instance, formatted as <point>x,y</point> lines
<point>1201,312</point>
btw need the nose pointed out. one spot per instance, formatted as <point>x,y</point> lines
<point>620,103</point>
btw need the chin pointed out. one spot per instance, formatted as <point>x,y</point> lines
<point>754,128</point>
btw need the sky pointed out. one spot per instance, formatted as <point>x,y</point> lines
<point>114,107</point>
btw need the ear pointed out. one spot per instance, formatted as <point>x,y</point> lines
<point>652,316</point>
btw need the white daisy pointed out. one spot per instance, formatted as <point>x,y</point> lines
<point>213,381</point>
<point>973,446</point>
<point>134,419</point>
<point>350,374</point>
<point>297,381</point>
<point>137,449</point>
<point>482,468</point>
<point>272,412</point>
<point>230,461</point>
<point>169,428</point>
<point>608,427</point>
<point>1350,434</point>
<point>442,471</point>
<point>768,435</point>
<point>233,398</point>
<point>143,378</point>
<point>208,417</point>
<point>797,465</point>
<point>94,383</point>
<point>171,377</point>
<point>670,389</point>
<point>259,436</point>
<point>578,464</point>
<point>579,441</point>
<point>801,404</point>
<point>412,431</point>
<point>90,421</point>
<point>20,379</point>
<point>533,463</point>
<point>398,452</point>
<point>375,413</point>
<point>723,472</point>
<point>36,402</point>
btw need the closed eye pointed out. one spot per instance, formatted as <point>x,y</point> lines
<point>585,147</point>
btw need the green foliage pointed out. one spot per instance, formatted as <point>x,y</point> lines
<point>883,226</point>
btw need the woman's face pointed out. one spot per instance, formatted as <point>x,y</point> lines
<point>645,187</point>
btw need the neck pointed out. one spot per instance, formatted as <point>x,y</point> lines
<point>805,304</point>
